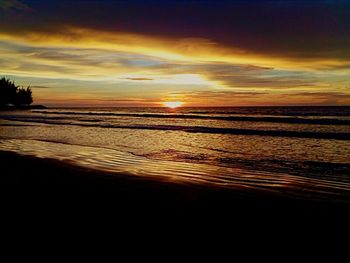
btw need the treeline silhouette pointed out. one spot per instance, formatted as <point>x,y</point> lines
<point>10,94</point>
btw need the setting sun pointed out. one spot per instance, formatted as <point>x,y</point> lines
<point>173,104</point>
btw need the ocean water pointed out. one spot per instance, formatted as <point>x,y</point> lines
<point>302,152</point>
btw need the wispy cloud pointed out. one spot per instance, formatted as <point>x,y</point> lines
<point>241,98</point>
<point>9,5</point>
<point>122,64</point>
<point>139,78</point>
<point>39,87</point>
<point>182,49</point>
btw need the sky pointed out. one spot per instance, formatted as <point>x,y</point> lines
<point>204,53</point>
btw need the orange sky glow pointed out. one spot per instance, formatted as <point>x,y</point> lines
<point>85,65</point>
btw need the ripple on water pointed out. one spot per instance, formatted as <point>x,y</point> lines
<point>243,179</point>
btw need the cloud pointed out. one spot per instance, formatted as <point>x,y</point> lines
<point>243,75</point>
<point>315,98</point>
<point>241,98</point>
<point>74,62</point>
<point>299,31</point>
<point>219,98</point>
<point>214,93</point>
<point>139,78</point>
<point>86,102</point>
<point>68,62</point>
<point>9,5</point>
<point>98,62</point>
<point>182,49</point>
<point>327,96</point>
<point>39,87</point>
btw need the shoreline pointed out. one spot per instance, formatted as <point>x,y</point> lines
<point>53,184</point>
<point>30,107</point>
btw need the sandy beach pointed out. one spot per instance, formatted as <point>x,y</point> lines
<point>43,185</point>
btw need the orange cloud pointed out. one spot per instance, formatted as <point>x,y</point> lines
<point>120,63</point>
<point>183,49</point>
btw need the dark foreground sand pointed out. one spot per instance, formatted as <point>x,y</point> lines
<point>41,188</point>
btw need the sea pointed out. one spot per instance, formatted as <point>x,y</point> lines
<point>299,152</point>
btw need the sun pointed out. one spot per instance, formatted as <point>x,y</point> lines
<point>172,104</point>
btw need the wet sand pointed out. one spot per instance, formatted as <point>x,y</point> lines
<point>34,186</point>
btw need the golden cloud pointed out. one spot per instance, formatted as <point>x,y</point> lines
<point>238,77</point>
<point>190,50</point>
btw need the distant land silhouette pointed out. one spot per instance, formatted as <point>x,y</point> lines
<point>14,97</point>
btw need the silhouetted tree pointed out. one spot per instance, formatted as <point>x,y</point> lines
<point>8,91</point>
<point>12,94</point>
<point>24,97</point>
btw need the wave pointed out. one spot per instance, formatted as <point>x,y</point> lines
<point>277,110</point>
<point>330,170</point>
<point>312,186</point>
<point>320,111</point>
<point>198,129</point>
<point>275,119</point>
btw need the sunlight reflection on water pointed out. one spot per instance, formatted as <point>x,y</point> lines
<point>122,162</point>
<point>195,147</point>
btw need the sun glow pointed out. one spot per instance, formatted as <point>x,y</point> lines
<point>172,104</point>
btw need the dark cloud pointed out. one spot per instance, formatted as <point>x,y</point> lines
<point>230,97</point>
<point>253,76</point>
<point>325,95</point>
<point>123,100</point>
<point>77,60</point>
<point>293,29</point>
<point>139,78</point>
<point>39,87</point>
<point>13,5</point>
<point>220,97</point>
<point>219,94</point>
<point>317,98</point>
<point>40,69</point>
<point>242,76</point>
